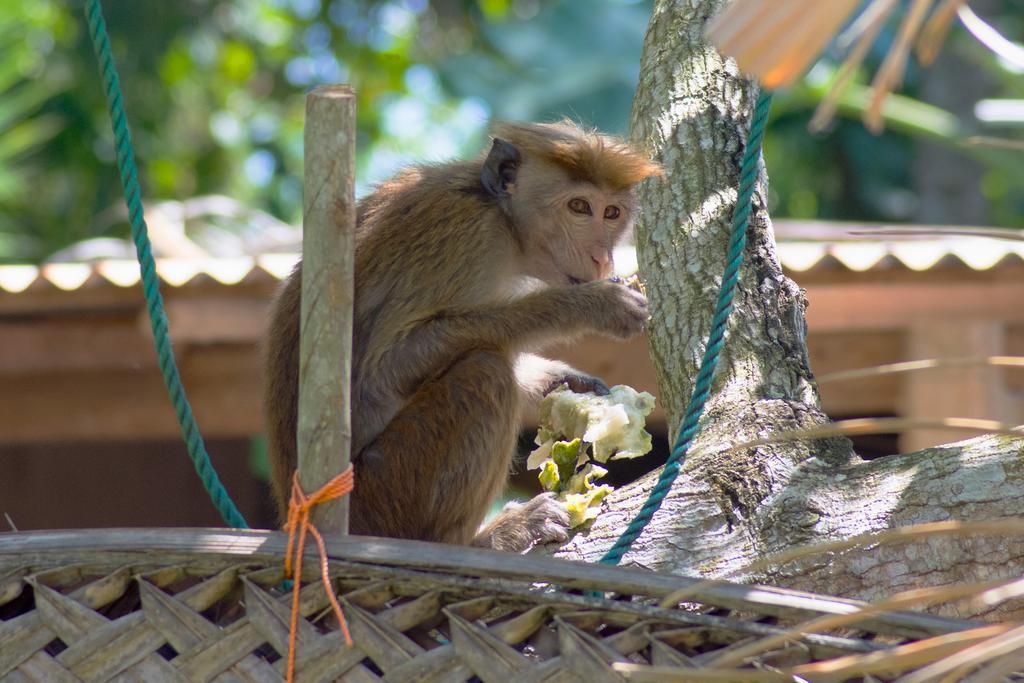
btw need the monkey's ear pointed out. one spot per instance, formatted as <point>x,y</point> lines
<point>500,167</point>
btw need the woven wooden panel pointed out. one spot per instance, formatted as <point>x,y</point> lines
<point>132,613</point>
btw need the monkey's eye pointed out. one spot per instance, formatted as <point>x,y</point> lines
<point>578,205</point>
<point>612,212</point>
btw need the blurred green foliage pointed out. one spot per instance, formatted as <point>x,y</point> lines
<point>847,173</point>
<point>215,93</point>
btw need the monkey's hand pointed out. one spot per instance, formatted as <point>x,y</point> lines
<point>519,526</point>
<point>579,382</point>
<point>613,309</point>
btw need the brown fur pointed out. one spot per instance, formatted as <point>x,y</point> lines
<point>585,155</point>
<point>443,324</point>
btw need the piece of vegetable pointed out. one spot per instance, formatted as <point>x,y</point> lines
<point>578,431</point>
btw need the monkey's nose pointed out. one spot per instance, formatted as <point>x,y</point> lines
<point>603,263</point>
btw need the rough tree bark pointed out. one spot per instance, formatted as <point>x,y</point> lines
<point>691,112</point>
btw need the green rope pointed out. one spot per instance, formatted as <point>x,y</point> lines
<point>150,282</point>
<point>701,388</point>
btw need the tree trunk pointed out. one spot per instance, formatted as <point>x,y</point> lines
<point>726,510</point>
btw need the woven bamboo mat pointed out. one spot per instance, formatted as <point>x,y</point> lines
<point>207,605</point>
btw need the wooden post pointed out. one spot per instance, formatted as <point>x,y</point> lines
<point>328,221</point>
<point>978,391</point>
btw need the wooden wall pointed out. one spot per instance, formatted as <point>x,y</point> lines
<point>88,436</point>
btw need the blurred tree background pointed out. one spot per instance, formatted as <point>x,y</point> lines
<point>215,93</point>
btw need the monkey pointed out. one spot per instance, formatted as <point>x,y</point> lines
<point>462,271</point>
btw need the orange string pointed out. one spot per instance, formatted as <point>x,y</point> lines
<point>299,508</point>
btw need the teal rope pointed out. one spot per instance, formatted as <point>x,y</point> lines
<point>701,388</point>
<point>150,282</point>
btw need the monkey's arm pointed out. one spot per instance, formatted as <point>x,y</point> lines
<point>536,376</point>
<point>533,321</point>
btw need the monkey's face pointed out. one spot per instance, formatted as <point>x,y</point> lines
<point>570,226</point>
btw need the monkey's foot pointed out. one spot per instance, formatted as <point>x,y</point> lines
<point>520,526</point>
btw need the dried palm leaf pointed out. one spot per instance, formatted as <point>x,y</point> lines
<point>890,74</point>
<point>1005,49</point>
<point>900,658</point>
<point>923,364</point>
<point>959,662</point>
<point>871,425</point>
<point>916,598</point>
<point>934,32</point>
<point>873,21</point>
<point>778,40</point>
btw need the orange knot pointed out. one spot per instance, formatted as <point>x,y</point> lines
<point>299,508</point>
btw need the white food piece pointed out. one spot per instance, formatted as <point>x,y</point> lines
<point>539,455</point>
<point>613,425</point>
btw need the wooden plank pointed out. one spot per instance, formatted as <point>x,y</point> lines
<point>92,377</point>
<point>1015,347</point>
<point>215,320</point>
<point>328,246</point>
<point>101,297</point>
<point>183,545</point>
<point>835,351</point>
<point>223,384</point>
<point>73,343</point>
<point>630,363</point>
<point>818,230</point>
<point>895,306</point>
<point>66,381</point>
<point>976,391</point>
<point>119,397</point>
<point>890,273</point>
<point>113,484</point>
